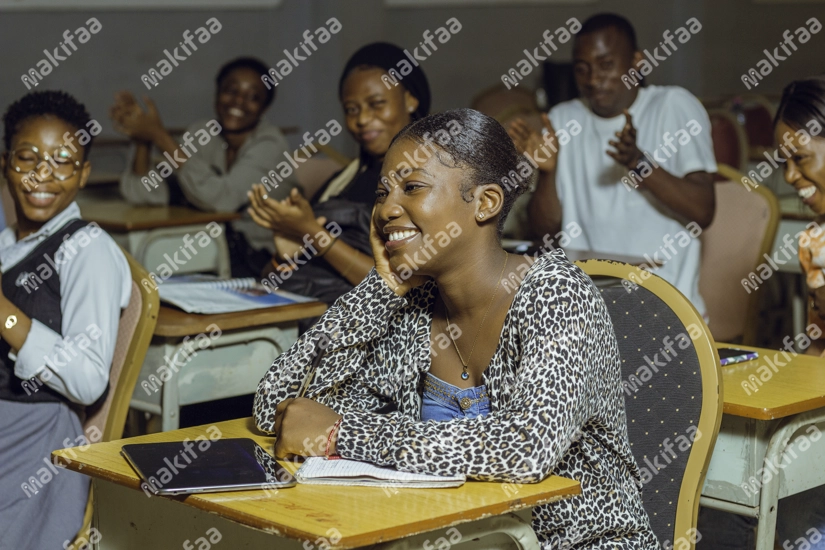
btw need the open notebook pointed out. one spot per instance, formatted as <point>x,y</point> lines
<point>320,471</point>
<point>206,294</point>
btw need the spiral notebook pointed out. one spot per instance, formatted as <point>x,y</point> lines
<point>206,294</point>
<point>320,471</point>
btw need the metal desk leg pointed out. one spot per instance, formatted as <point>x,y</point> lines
<point>769,498</point>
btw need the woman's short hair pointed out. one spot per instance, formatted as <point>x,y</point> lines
<point>479,145</point>
<point>46,103</point>
<point>251,63</point>
<point>802,101</point>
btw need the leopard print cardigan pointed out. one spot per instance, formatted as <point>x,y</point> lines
<point>555,393</point>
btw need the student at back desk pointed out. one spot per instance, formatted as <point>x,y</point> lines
<point>216,175</point>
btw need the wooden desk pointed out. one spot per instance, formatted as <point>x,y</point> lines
<point>120,216</point>
<point>149,233</point>
<point>175,322</point>
<point>794,388</point>
<point>766,449</point>
<point>185,364</point>
<point>361,515</point>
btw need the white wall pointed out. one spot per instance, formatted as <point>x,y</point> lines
<point>491,40</point>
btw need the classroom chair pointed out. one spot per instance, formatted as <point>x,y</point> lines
<point>672,385</point>
<point>317,169</point>
<point>137,323</point>
<point>743,230</point>
<point>758,113</point>
<point>730,143</point>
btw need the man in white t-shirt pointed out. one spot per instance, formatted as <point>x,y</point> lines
<point>634,168</point>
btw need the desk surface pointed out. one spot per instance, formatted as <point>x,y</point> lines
<point>796,387</point>
<point>174,322</point>
<point>363,515</point>
<point>119,216</point>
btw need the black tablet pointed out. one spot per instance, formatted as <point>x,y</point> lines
<point>180,468</point>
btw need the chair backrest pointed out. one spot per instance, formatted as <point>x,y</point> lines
<point>758,112</point>
<point>137,323</point>
<point>743,230</point>
<point>673,394</point>
<point>730,144</point>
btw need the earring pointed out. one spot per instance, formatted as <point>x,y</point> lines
<point>481,216</point>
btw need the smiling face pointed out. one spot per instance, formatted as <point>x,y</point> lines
<point>375,114</point>
<point>804,166</point>
<point>410,211</point>
<point>240,101</point>
<point>600,58</point>
<point>39,201</point>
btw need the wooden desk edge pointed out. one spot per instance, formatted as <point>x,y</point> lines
<point>200,322</point>
<point>765,413</point>
<point>353,541</point>
<point>773,413</point>
<point>116,226</point>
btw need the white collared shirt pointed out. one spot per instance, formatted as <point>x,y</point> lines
<point>95,284</point>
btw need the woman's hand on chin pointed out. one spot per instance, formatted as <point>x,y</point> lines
<point>382,265</point>
<point>302,427</point>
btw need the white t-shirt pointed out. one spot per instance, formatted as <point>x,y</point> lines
<point>673,127</point>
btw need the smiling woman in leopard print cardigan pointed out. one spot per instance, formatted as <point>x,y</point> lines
<point>529,384</point>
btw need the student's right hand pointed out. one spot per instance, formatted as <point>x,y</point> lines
<point>131,119</point>
<point>382,264</point>
<point>535,144</point>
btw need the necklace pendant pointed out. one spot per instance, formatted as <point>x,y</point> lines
<point>464,375</point>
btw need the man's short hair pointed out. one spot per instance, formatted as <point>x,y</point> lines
<point>602,21</point>
<point>46,103</point>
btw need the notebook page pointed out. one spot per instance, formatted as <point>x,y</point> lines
<point>318,469</point>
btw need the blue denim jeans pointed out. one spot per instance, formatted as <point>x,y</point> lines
<point>443,401</point>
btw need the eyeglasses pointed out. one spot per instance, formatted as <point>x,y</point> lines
<point>28,159</point>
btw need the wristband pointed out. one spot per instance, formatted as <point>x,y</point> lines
<point>334,240</point>
<point>329,439</point>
